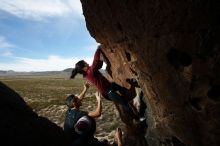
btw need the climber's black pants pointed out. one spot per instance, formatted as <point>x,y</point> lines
<point>115,97</point>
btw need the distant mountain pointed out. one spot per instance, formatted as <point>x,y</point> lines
<point>41,73</point>
<point>3,72</point>
<point>7,72</point>
<point>68,70</point>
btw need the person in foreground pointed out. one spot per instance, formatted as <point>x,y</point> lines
<point>73,113</point>
<point>104,86</point>
<point>86,127</point>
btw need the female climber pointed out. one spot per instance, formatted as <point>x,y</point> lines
<point>104,86</point>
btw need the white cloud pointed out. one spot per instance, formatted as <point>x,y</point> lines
<point>52,63</point>
<point>6,53</point>
<point>4,43</point>
<point>41,9</point>
<point>5,47</point>
<point>75,6</point>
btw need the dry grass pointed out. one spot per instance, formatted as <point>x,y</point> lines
<point>46,96</point>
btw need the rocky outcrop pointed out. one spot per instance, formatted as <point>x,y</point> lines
<point>21,126</point>
<point>172,49</point>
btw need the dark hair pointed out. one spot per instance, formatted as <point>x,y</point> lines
<point>69,100</point>
<point>78,68</point>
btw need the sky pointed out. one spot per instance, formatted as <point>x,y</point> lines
<point>43,35</point>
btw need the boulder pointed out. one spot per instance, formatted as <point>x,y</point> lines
<point>171,48</point>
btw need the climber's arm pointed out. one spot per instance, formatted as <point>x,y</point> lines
<point>97,63</point>
<point>82,94</point>
<point>98,111</point>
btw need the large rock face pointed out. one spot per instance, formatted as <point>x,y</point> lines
<point>172,49</point>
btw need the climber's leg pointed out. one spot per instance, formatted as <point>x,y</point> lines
<point>122,90</point>
<point>115,97</point>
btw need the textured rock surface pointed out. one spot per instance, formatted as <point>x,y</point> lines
<point>172,49</point>
<point>21,126</point>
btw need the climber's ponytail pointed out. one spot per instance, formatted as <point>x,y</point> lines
<point>74,73</point>
<point>78,69</point>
